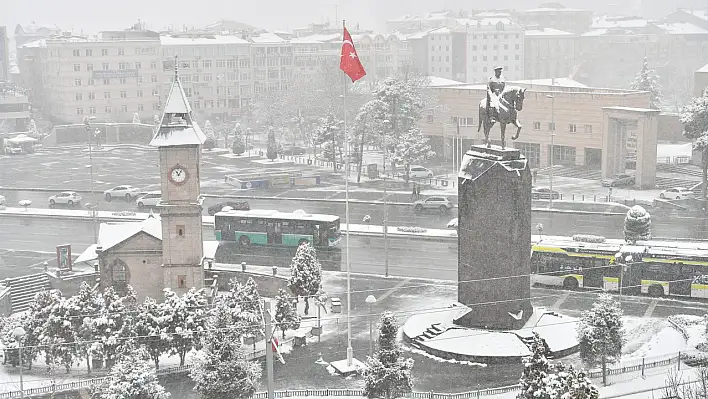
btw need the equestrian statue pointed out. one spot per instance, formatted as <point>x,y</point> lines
<point>501,105</point>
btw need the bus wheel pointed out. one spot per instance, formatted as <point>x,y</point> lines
<point>570,283</point>
<point>245,241</point>
<point>656,291</point>
<point>303,241</point>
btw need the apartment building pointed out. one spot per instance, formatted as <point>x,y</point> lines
<point>14,109</point>
<point>4,56</point>
<point>550,53</point>
<point>555,16</point>
<point>494,41</point>
<point>111,76</point>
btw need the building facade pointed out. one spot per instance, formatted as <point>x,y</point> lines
<point>555,16</point>
<point>576,112</point>
<point>550,53</point>
<point>111,76</point>
<point>494,42</point>
<point>700,81</point>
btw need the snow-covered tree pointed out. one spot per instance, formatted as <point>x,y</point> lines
<point>412,148</point>
<point>32,128</point>
<point>156,119</point>
<point>114,324</point>
<point>694,118</point>
<point>88,304</point>
<point>388,374</point>
<point>272,150</point>
<point>210,136</point>
<point>600,334</point>
<point>39,312</point>
<point>243,303</point>
<point>149,328</point>
<point>329,134</point>
<point>646,80</point>
<point>637,225</point>
<point>220,370</point>
<point>136,118</point>
<point>238,146</point>
<point>286,316</point>
<point>132,378</point>
<point>251,304</point>
<point>536,369</point>
<point>184,319</point>
<point>59,335</point>
<point>305,273</point>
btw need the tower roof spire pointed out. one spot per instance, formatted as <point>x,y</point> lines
<point>176,69</point>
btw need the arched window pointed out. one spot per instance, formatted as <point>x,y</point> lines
<point>119,275</point>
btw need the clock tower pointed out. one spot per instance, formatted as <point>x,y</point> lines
<point>179,140</point>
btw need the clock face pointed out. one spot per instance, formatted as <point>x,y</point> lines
<point>178,175</point>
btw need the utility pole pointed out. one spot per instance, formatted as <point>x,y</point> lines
<point>268,348</point>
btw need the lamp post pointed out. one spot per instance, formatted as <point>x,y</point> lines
<point>87,123</point>
<point>623,264</point>
<point>371,300</point>
<point>19,334</point>
<point>384,148</point>
<point>552,129</point>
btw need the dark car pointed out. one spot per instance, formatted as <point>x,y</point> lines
<point>619,180</point>
<point>544,193</point>
<point>235,205</point>
<point>293,150</point>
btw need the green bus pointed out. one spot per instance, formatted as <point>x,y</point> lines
<point>274,228</point>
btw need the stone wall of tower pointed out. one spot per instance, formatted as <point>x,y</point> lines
<point>188,157</point>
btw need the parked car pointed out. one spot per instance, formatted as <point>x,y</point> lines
<point>127,192</point>
<point>544,193</point>
<point>676,193</point>
<point>69,198</point>
<point>151,199</point>
<point>619,180</point>
<point>419,172</point>
<point>441,204</point>
<point>235,205</point>
<point>293,150</point>
<point>2,200</point>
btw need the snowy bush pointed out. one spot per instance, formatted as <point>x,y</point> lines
<point>286,317</point>
<point>124,213</point>
<point>184,320</point>
<point>132,377</point>
<point>272,149</point>
<point>136,118</point>
<point>452,224</point>
<point>156,119</point>
<point>637,225</point>
<point>388,374</point>
<point>238,147</point>
<point>694,118</point>
<point>366,219</point>
<point>408,229</point>
<point>305,273</point>
<point>600,334</point>
<point>33,131</point>
<point>589,238</point>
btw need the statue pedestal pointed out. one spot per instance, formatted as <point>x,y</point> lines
<point>494,233</point>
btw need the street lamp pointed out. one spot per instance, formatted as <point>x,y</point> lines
<point>552,129</point>
<point>87,123</point>
<point>19,333</point>
<point>371,300</point>
<point>384,148</point>
<point>623,264</point>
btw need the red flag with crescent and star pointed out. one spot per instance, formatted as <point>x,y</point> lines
<point>349,62</point>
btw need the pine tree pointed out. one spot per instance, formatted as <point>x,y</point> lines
<point>387,374</point>
<point>238,146</point>
<point>184,321</point>
<point>250,303</point>
<point>59,335</point>
<point>329,133</point>
<point>89,305</point>
<point>220,370</point>
<point>286,315</point>
<point>694,118</point>
<point>149,328</point>
<point>210,136</point>
<point>571,383</point>
<point>637,225</point>
<point>646,80</point>
<point>34,132</point>
<point>536,369</point>
<point>272,150</point>
<point>600,334</point>
<point>132,378</point>
<point>305,273</point>
<point>412,148</point>
<point>39,312</point>
<point>136,118</point>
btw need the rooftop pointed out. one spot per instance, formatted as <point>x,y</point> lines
<point>561,82</point>
<point>546,32</point>
<point>200,40</point>
<point>606,21</point>
<point>702,14</point>
<point>267,37</point>
<point>436,81</point>
<point>704,69</point>
<point>553,9</point>
<point>682,28</point>
<point>112,234</point>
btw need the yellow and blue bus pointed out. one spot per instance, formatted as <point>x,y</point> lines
<point>650,267</point>
<point>274,228</point>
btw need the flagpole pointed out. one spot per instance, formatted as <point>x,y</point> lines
<point>350,351</point>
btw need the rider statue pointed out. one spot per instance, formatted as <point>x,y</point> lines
<point>495,87</point>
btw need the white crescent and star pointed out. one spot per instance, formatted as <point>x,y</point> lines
<point>352,54</point>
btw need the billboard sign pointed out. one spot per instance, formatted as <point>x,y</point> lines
<point>64,257</point>
<point>115,74</point>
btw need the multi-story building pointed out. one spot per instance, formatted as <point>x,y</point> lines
<point>494,42</point>
<point>576,111</point>
<point>415,23</point>
<point>700,81</point>
<point>14,109</point>
<point>4,56</point>
<point>549,53</point>
<point>111,76</point>
<point>555,16</point>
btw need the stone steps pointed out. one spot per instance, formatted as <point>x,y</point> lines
<point>23,289</point>
<point>429,333</point>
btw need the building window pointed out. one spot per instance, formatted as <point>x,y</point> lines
<point>89,52</point>
<point>474,58</point>
<point>106,82</point>
<point>79,111</point>
<point>122,65</point>
<point>140,107</point>
<point>121,51</point>
<point>124,108</point>
<point>182,281</point>
<point>516,57</point>
<point>551,126</point>
<point>572,128</point>
<point>506,47</point>
<point>153,64</point>
<point>484,69</point>
<point>107,109</point>
<point>588,129</point>
<point>140,93</point>
<point>77,67</point>
<point>153,78</point>
<point>206,63</point>
<point>430,118</point>
<point>495,58</point>
<point>474,48</point>
<point>484,58</point>
<point>89,67</point>
<point>123,94</point>
<point>79,96</point>
<point>140,79</point>
<point>484,47</point>
<point>77,53</point>
<point>106,95</point>
<point>537,126</point>
<point>516,46</point>
<point>432,58</point>
<point>138,65</point>
<point>77,82</point>
<point>180,230</point>
<point>105,66</point>
<point>154,92</point>
<point>92,110</point>
<point>119,276</point>
<point>92,96</point>
<point>104,52</point>
<point>495,47</point>
<point>90,82</point>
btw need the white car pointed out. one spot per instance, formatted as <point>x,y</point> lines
<point>419,172</point>
<point>69,198</point>
<point>127,192</point>
<point>151,199</point>
<point>676,193</point>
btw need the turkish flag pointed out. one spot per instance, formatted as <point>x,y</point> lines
<point>349,61</point>
<point>274,346</point>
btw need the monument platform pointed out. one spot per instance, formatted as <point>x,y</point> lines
<point>437,334</point>
<point>344,369</point>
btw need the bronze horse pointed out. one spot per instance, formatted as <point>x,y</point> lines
<point>511,101</point>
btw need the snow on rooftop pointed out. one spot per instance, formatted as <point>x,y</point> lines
<point>682,28</point>
<point>546,32</point>
<point>704,69</point>
<point>561,82</point>
<point>618,22</point>
<point>436,81</point>
<point>267,37</point>
<point>316,39</point>
<point>594,32</point>
<point>200,40</point>
<point>112,234</point>
<point>560,9</point>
